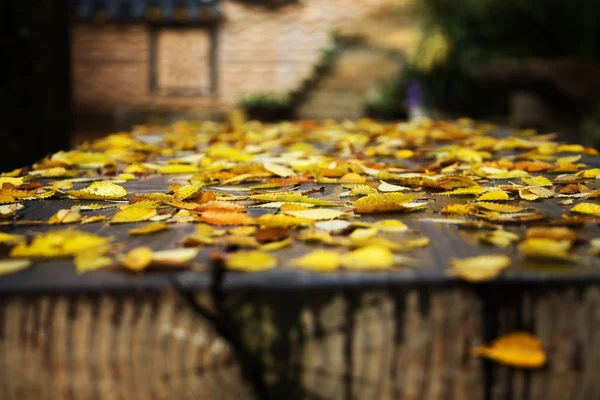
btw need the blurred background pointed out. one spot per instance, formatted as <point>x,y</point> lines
<point>80,69</point>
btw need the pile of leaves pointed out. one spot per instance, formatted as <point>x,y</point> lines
<point>318,196</point>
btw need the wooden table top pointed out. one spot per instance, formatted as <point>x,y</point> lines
<point>429,150</point>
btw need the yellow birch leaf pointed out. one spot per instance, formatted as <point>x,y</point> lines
<point>91,260</point>
<point>188,192</point>
<point>315,236</point>
<point>178,169</point>
<point>368,258</point>
<point>66,216</point>
<point>536,181</point>
<point>479,268</point>
<point>9,210</point>
<point>99,191</point>
<point>359,190</point>
<point>133,214</point>
<point>388,187</point>
<point>498,238</point>
<point>468,191</point>
<point>8,238</point>
<point>494,195</point>
<point>518,349</point>
<point>12,181</point>
<point>589,173</point>
<point>137,259</point>
<point>320,260</point>
<point>8,267</point>
<point>461,209</point>
<point>586,208</point>
<point>273,246</point>
<point>352,177</point>
<point>174,257</point>
<point>383,202</point>
<point>251,261</point>
<point>6,199</point>
<point>92,219</point>
<point>391,226</point>
<point>59,244</point>
<point>149,229</point>
<point>279,221</point>
<point>545,248</point>
<point>535,192</point>
<point>318,214</point>
<point>501,208</point>
<point>279,170</point>
<point>290,197</point>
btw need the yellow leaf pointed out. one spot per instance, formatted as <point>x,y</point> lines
<point>8,267</point>
<point>290,197</point>
<point>368,258</point>
<point>150,228</point>
<point>9,210</point>
<point>383,202</point>
<point>315,236</point>
<point>279,170</point>
<point>493,195</point>
<point>363,234</point>
<point>133,214</point>
<point>461,209</point>
<point>391,226</point>
<point>251,261</point>
<point>535,192</point>
<point>334,226</point>
<point>91,260</point>
<point>56,172</point>
<point>388,187</point>
<point>99,191</point>
<point>137,259</point>
<point>546,248</point>
<point>92,219</point>
<point>359,190</point>
<point>468,191</point>
<point>320,260</point>
<point>318,214</point>
<point>480,268</point>
<point>12,181</point>
<point>536,181</point>
<point>187,192</point>
<point>59,244</point>
<point>586,208</point>
<point>8,238</point>
<point>498,238</point>
<point>518,349</point>
<point>273,246</point>
<point>352,177</point>
<point>501,208</point>
<point>67,216</point>
<point>174,257</point>
<point>178,169</point>
<point>279,221</point>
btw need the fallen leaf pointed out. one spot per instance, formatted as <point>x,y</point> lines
<point>91,260</point>
<point>318,214</point>
<point>368,258</point>
<point>279,170</point>
<point>67,216</point>
<point>479,268</point>
<point>8,267</point>
<point>59,244</point>
<point>99,191</point>
<point>319,260</point>
<point>174,257</point>
<point>518,349</point>
<point>137,259</point>
<point>149,229</point>
<point>587,208</point>
<point>133,214</point>
<point>225,217</point>
<point>251,261</point>
<point>546,248</point>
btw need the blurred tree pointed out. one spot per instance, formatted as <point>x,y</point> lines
<point>483,31</point>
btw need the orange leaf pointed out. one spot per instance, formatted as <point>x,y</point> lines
<point>518,349</point>
<point>223,217</point>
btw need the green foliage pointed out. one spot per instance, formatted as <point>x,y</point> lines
<point>482,31</point>
<point>265,100</point>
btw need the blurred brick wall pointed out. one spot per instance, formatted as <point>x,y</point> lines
<point>259,50</point>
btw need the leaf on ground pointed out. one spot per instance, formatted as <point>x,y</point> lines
<point>99,191</point>
<point>518,349</point>
<point>251,261</point>
<point>149,229</point>
<point>133,214</point>
<point>319,260</point>
<point>10,266</point>
<point>479,268</point>
<point>368,258</point>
